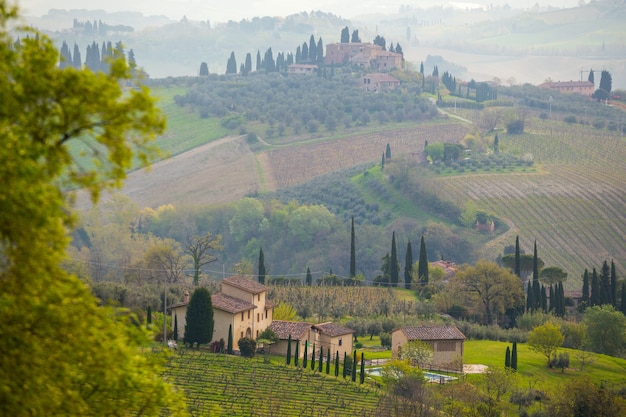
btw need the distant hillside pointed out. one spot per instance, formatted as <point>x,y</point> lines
<point>518,45</point>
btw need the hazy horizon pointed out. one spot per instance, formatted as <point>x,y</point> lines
<point>245,9</point>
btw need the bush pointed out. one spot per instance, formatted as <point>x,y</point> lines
<point>385,340</point>
<point>571,119</point>
<point>247,347</point>
<point>515,127</point>
<point>599,123</point>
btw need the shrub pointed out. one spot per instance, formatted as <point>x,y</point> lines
<point>599,123</point>
<point>515,127</point>
<point>571,119</point>
<point>247,347</point>
<point>385,340</point>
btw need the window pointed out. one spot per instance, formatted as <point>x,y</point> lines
<point>242,316</point>
<point>340,342</point>
<point>257,334</point>
<point>241,335</point>
<point>248,314</point>
<point>266,313</point>
<point>258,317</point>
<point>258,297</point>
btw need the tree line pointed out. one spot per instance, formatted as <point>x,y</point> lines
<point>96,58</point>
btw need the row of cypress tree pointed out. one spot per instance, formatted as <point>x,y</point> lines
<point>348,366</point>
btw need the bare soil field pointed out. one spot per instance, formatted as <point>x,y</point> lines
<point>220,171</point>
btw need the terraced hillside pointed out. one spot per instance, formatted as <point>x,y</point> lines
<point>574,206</point>
<point>224,385</point>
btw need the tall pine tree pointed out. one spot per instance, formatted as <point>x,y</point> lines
<point>422,266</point>
<point>536,288</point>
<point>393,270</point>
<point>518,269</point>
<point>595,298</point>
<point>352,251</point>
<point>199,318</point>
<point>289,350</point>
<point>261,272</point>
<point>585,290</point>
<point>514,357</point>
<point>408,266</point>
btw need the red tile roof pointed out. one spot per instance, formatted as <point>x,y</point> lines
<point>433,333</point>
<point>296,329</point>
<point>230,304</point>
<point>332,329</point>
<point>245,284</point>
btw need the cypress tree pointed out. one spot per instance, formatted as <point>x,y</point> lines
<point>296,357</point>
<point>149,318</point>
<point>518,270</point>
<point>536,288</point>
<point>613,285</point>
<point>345,371</point>
<point>289,350</point>
<point>507,358</point>
<point>362,375</point>
<point>605,283</point>
<point>561,299</point>
<point>544,299</point>
<point>585,296</point>
<point>496,144</point>
<point>229,343</point>
<point>309,277</point>
<point>394,262</point>
<point>382,162</point>
<point>553,301</point>
<point>623,299</point>
<point>261,274</point>
<point>388,151</point>
<point>408,266</point>
<point>354,367</point>
<point>514,357</point>
<point>199,318</point>
<point>336,363</point>
<point>595,289</point>
<point>77,62</point>
<point>306,353</point>
<point>328,362</point>
<point>320,51</point>
<point>258,60</point>
<point>176,328</point>
<point>530,300</point>
<point>320,362</point>
<point>313,358</point>
<point>352,251</point>
<point>422,266</point>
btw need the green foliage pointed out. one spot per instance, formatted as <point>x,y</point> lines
<point>417,353</point>
<point>546,339</point>
<point>247,347</point>
<point>605,330</point>
<point>68,355</point>
<point>515,127</point>
<point>199,318</point>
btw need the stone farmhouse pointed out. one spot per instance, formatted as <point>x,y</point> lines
<point>446,341</point>
<point>379,82</point>
<point>366,55</point>
<point>241,304</point>
<point>323,336</point>
<point>581,87</point>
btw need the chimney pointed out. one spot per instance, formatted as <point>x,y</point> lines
<point>186,296</point>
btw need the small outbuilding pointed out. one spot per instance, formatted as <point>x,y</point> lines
<point>446,341</point>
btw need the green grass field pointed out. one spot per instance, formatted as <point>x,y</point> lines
<point>533,369</point>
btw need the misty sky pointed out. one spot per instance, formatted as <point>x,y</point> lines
<point>223,11</point>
